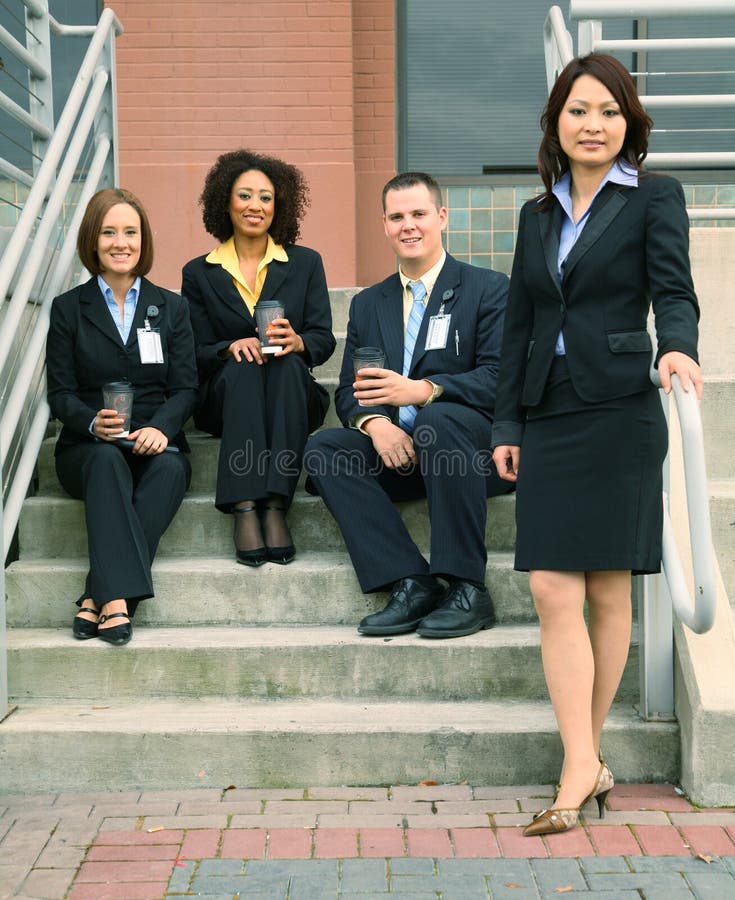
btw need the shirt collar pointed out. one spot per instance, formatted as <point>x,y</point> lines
<point>428,279</point>
<point>226,255</point>
<point>132,293</point>
<point>620,172</point>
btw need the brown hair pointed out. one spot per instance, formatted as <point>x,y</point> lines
<point>291,194</point>
<point>410,179</point>
<point>89,230</point>
<point>552,160</point>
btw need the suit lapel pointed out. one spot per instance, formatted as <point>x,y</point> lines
<point>609,202</point>
<point>390,323</point>
<point>147,297</point>
<point>549,222</point>
<point>274,278</point>
<point>221,283</point>
<point>94,309</point>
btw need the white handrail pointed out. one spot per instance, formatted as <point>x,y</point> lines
<point>698,612</point>
<point>647,9</point>
<point>558,45</point>
<point>46,174</point>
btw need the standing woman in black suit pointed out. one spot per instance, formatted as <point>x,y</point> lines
<point>578,424</point>
<point>130,493</point>
<point>262,406</point>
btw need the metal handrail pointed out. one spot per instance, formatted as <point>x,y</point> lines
<point>648,9</point>
<point>698,612</point>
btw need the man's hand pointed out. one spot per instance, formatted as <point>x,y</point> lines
<point>391,443</point>
<point>376,387</point>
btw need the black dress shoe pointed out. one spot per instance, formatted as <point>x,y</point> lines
<point>409,602</point>
<point>118,634</point>
<point>83,629</point>
<point>465,610</point>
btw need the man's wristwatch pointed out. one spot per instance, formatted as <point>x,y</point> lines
<point>436,391</point>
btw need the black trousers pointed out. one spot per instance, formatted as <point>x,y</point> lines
<point>454,471</point>
<point>261,415</point>
<point>129,501</point>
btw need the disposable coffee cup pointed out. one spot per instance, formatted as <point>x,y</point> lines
<point>367,358</point>
<point>265,312</point>
<point>118,395</point>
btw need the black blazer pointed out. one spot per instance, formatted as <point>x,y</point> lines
<point>219,315</point>
<point>632,253</point>
<point>84,351</point>
<point>466,368</point>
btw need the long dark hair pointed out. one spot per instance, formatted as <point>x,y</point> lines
<point>552,160</point>
<point>291,194</point>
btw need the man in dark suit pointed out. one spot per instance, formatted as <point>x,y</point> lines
<point>421,426</point>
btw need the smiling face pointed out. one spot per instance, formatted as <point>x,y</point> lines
<point>119,241</point>
<point>413,225</point>
<point>252,204</point>
<point>591,127</point>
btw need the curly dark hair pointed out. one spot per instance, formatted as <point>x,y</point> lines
<point>291,194</point>
<point>552,161</point>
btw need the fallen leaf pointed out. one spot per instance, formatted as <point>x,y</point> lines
<point>510,884</point>
<point>704,857</point>
<point>100,707</point>
<point>427,782</point>
<point>564,890</point>
<point>201,774</point>
<point>179,862</point>
<point>231,787</point>
<point>156,828</point>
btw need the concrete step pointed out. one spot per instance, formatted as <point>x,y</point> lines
<point>331,368</point>
<point>340,299</point>
<point>316,589</point>
<point>722,516</point>
<point>503,663</point>
<point>718,421</point>
<point>214,742</point>
<point>53,526</point>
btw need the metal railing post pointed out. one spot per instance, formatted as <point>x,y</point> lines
<point>3,635</point>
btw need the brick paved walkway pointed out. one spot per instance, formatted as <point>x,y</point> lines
<point>446,841</point>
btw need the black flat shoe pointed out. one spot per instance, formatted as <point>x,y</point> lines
<point>255,557</point>
<point>118,634</point>
<point>83,629</point>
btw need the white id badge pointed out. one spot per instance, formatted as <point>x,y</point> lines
<point>437,333</point>
<point>149,343</point>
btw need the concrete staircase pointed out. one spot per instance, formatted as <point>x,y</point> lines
<point>258,677</point>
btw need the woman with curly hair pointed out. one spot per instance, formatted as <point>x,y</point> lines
<point>262,406</point>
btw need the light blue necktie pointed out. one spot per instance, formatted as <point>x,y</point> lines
<point>407,414</point>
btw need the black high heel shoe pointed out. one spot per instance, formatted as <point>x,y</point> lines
<point>118,634</point>
<point>83,629</point>
<point>255,557</point>
<point>281,555</point>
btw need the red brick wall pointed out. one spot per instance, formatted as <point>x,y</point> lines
<point>308,80</point>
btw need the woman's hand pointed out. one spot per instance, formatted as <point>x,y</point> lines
<point>149,441</point>
<point>107,425</point>
<point>507,458</point>
<point>249,348</point>
<point>281,334</point>
<point>677,363</point>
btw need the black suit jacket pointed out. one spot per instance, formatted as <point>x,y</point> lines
<point>632,253</point>
<point>219,315</point>
<point>84,351</point>
<point>466,368</point>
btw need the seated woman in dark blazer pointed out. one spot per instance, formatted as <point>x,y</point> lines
<point>262,406</point>
<point>578,424</point>
<point>130,493</point>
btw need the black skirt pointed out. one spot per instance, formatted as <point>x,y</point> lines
<point>589,490</point>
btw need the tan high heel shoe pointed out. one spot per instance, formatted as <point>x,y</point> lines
<point>551,821</point>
